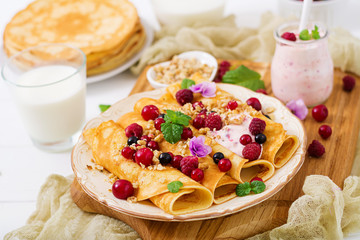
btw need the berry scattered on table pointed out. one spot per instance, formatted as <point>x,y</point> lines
<point>316,149</point>
<point>224,165</point>
<point>199,103</point>
<point>257,126</point>
<point>261,90</point>
<point>134,129</point>
<point>132,140</point>
<point>320,112</point>
<point>197,174</point>
<point>260,138</point>
<point>256,179</point>
<point>175,162</point>
<point>158,123</point>
<point>252,151</point>
<point>254,102</point>
<point>245,139</point>
<point>127,152</point>
<point>325,131</point>
<point>122,189</point>
<point>184,96</point>
<point>189,163</point>
<point>145,138</point>
<point>212,121</point>
<point>187,133</point>
<point>144,156</point>
<point>150,112</point>
<point>348,83</point>
<point>232,105</point>
<point>218,156</point>
<point>153,145</point>
<point>199,122</point>
<point>289,36</point>
<point>165,158</point>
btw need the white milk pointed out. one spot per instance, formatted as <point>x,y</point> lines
<point>51,113</point>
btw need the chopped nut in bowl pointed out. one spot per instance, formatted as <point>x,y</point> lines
<point>182,66</point>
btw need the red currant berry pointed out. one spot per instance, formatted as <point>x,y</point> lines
<point>144,156</point>
<point>325,131</point>
<point>200,104</point>
<point>150,112</point>
<point>245,139</point>
<point>158,123</point>
<point>197,174</point>
<point>134,129</point>
<point>175,162</point>
<point>146,138</point>
<point>254,102</point>
<point>153,145</point>
<point>122,189</point>
<point>256,179</point>
<point>127,152</point>
<point>232,105</point>
<point>187,133</point>
<point>199,122</point>
<point>224,165</point>
<point>320,112</point>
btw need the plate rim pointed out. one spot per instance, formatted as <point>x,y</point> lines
<point>184,218</point>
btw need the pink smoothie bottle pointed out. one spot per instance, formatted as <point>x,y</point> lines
<point>302,69</point>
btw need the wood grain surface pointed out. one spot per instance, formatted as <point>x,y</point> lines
<point>344,113</point>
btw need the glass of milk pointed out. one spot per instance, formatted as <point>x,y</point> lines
<point>48,83</point>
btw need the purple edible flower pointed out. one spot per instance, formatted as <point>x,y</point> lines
<point>198,147</point>
<point>299,108</point>
<point>207,89</point>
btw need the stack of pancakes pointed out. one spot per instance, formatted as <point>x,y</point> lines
<point>108,31</point>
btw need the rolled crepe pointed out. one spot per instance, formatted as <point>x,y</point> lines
<point>221,185</point>
<point>106,142</point>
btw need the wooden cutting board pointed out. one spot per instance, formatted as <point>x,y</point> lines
<point>344,113</point>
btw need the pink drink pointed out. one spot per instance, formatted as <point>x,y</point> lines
<point>302,69</point>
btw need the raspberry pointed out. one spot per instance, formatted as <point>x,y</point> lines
<point>348,83</point>
<point>202,113</point>
<point>150,112</point>
<point>316,149</point>
<point>197,174</point>
<point>232,105</point>
<point>175,162</point>
<point>212,121</point>
<point>255,103</point>
<point>158,123</point>
<point>257,126</point>
<point>187,133</point>
<point>225,64</point>
<point>189,163</point>
<point>263,91</point>
<point>184,96</point>
<point>251,151</point>
<point>199,122</point>
<point>289,36</point>
<point>320,112</point>
<point>134,129</point>
<point>200,104</point>
<point>325,131</point>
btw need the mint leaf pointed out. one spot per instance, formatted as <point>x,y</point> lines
<point>257,186</point>
<point>174,186</point>
<point>253,84</point>
<point>172,132</point>
<point>186,83</point>
<point>104,107</point>
<point>304,35</point>
<point>241,74</point>
<point>315,33</point>
<point>177,117</point>
<point>243,189</point>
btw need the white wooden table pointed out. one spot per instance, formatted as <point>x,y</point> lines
<point>23,168</point>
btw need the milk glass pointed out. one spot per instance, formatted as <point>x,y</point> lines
<point>48,83</point>
<point>302,69</point>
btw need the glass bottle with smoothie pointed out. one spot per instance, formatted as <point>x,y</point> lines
<point>301,69</point>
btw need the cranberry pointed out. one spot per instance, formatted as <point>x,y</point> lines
<point>144,156</point>
<point>158,123</point>
<point>122,189</point>
<point>224,165</point>
<point>127,152</point>
<point>245,139</point>
<point>261,90</point>
<point>150,112</point>
<point>153,145</point>
<point>197,174</point>
<point>348,83</point>
<point>199,122</point>
<point>200,104</point>
<point>320,112</point>
<point>254,102</point>
<point>187,133</point>
<point>256,179</point>
<point>325,131</point>
<point>145,137</point>
<point>134,129</point>
<point>232,105</point>
<point>175,162</point>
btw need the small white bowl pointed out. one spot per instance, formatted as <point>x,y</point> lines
<point>202,57</point>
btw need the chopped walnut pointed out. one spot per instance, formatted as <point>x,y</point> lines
<point>156,153</point>
<point>89,167</point>
<point>142,165</point>
<point>132,199</point>
<point>155,160</point>
<point>203,166</point>
<point>159,138</point>
<point>162,180</point>
<point>141,142</point>
<point>270,110</point>
<point>135,185</point>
